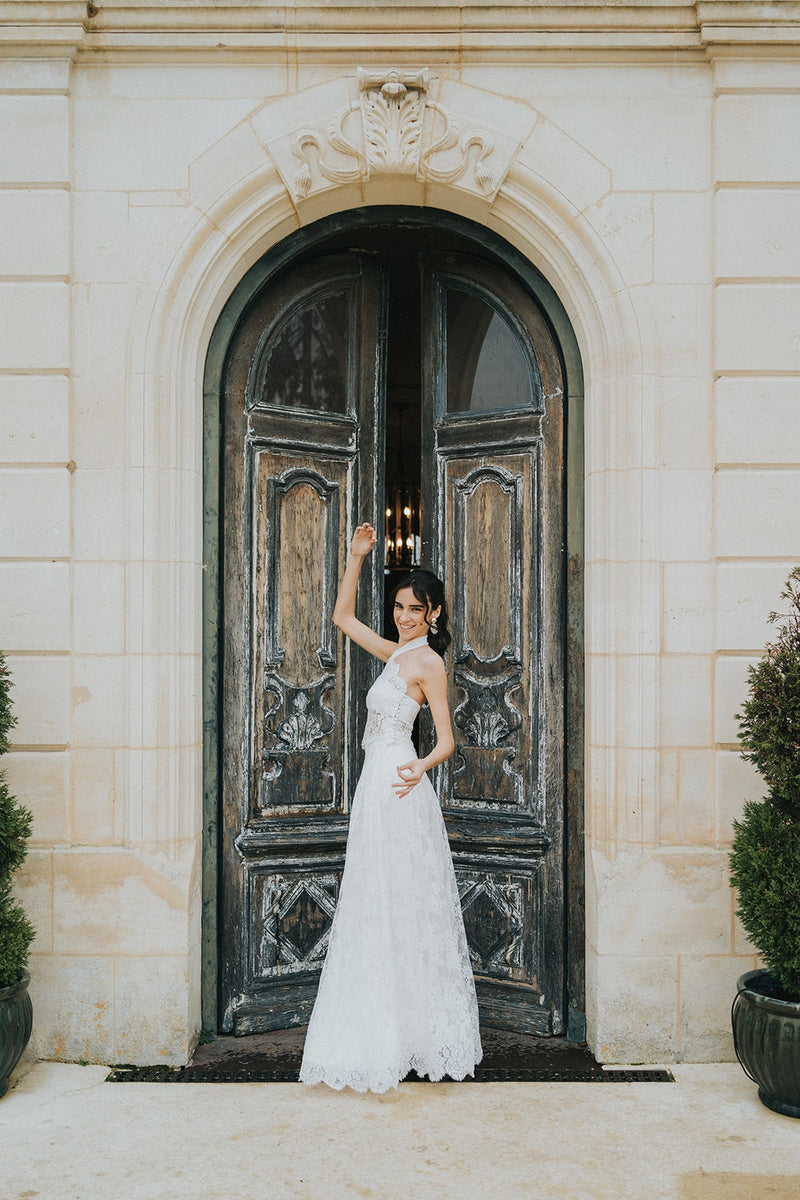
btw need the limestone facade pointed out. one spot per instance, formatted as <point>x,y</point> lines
<point>646,159</point>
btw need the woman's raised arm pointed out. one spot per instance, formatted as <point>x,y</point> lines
<point>344,610</point>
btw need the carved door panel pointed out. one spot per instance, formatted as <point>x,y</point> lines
<point>493,522</point>
<point>302,452</point>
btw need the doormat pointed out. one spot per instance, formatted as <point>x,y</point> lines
<point>507,1058</point>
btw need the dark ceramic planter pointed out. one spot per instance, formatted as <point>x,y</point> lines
<point>766,1035</point>
<point>16,1022</point>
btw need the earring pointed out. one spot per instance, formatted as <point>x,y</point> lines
<point>434,627</point>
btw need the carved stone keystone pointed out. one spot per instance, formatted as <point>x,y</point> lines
<point>393,122</point>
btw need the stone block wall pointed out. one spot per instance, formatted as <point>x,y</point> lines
<point>653,176</point>
<point>114,901</point>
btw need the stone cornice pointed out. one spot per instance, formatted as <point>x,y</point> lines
<point>47,28</point>
<point>312,30</point>
<point>747,23</point>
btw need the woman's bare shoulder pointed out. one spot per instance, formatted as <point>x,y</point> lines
<point>430,664</point>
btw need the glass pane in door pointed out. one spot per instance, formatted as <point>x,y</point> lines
<point>305,361</point>
<point>487,368</point>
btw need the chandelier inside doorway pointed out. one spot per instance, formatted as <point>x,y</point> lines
<point>402,526</point>
<point>402,510</point>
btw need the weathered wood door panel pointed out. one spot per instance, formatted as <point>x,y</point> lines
<point>302,451</point>
<point>494,522</point>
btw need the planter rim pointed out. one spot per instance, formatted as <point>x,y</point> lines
<point>7,992</point>
<point>750,981</point>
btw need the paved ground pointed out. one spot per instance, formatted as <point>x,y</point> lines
<point>65,1134</point>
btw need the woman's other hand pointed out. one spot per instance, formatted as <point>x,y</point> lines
<point>410,775</point>
<point>364,538</point>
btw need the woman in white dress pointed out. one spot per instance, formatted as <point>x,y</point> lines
<point>396,992</point>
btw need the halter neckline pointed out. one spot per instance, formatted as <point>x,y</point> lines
<point>412,645</point>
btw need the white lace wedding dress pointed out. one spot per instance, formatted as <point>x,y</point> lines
<point>396,992</point>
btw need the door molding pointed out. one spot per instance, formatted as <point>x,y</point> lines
<point>303,242</point>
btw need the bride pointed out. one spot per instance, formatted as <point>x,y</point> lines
<point>396,992</point>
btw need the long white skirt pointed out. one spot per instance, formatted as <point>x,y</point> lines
<point>396,992</point>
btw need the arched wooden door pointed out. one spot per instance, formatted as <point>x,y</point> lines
<point>303,460</point>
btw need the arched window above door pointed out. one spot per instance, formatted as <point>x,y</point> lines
<point>304,359</point>
<point>488,367</point>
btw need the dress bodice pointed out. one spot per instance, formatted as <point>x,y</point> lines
<point>391,712</point>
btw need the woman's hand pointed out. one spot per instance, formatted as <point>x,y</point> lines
<point>410,775</point>
<point>364,538</point>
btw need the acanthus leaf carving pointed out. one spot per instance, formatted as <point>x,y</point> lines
<point>393,127</point>
<point>393,111</point>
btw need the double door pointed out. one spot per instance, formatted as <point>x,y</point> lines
<point>314,369</point>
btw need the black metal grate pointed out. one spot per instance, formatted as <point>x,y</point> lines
<point>275,1058</point>
<point>188,1075</point>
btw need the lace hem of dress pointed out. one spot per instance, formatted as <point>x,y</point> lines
<point>448,1064</point>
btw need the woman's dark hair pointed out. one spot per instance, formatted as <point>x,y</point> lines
<point>429,590</point>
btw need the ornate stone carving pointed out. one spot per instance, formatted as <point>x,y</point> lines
<point>392,126</point>
<point>311,150</point>
<point>393,106</point>
<point>452,139</point>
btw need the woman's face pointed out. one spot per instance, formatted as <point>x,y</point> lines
<point>411,616</point>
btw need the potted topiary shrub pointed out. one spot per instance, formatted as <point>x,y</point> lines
<point>765,868</point>
<point>16,931</point>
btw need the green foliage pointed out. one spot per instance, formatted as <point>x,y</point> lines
<point>16,935</point>
<point>16,931</point>
<point>765,858</point>
<point>765,868</point>
<point>7,718</point>
<point>15,829</point>
<point>769,722</point>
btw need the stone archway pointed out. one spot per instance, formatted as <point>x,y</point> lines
<point>542,181</point>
